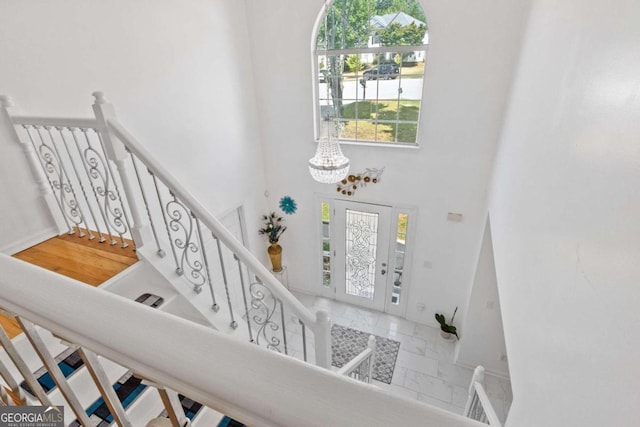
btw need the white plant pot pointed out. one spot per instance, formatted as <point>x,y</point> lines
<point>445,335</point>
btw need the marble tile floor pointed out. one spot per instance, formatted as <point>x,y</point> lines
<point>425,369</point>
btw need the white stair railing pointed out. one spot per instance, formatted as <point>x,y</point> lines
<point>361,366</point>
<point>104,181</point>
<point>75,177</point>
<point>254,386</point>
<point>478,405</point>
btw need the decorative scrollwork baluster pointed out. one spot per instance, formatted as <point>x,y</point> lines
<point>183,237</point>
<point>80,181</point>
<point>122,212</point>
<point>166,222</point>
<point>93,188</point>
<point>264,306</point>
<point>105,189</point>
<point>214,305</point>
<point>73,201</point>
<point>50,164</point>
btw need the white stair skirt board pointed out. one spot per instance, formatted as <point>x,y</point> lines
<point>202,301</point>
<point>143,278</point>
<point>189,302</point>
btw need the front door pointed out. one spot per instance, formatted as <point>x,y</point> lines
<point>362,253</point>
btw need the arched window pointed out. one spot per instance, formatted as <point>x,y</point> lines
<point>370,58</point>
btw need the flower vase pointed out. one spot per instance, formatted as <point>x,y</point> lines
<point>275,254</point>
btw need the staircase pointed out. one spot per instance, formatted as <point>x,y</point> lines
<point>95,176</point>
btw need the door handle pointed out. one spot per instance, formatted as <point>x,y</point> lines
<point>383,271</point>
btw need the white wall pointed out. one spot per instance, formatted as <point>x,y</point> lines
<point>564,215</point>
<point>473,46</point>
<point>484,336</point>
<point>178,74</point>
<point>24,217</point>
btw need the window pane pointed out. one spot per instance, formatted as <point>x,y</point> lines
<point>371,23</point>
<point>380,104</point>
<point>326,244</point>
<point>398,267</point>
<point>376,88</point>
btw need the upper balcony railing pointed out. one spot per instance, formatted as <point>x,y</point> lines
<point>478,405</point>
<point>242,380</point>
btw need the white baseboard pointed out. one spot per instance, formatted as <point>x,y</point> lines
<point>28,241</point>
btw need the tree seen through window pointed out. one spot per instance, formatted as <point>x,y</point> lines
<point>371,57</point>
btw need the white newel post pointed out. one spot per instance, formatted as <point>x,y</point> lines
<point>117,152</point>
<point>478,376</point>
<point>323,339</point>
<point>43,185</point>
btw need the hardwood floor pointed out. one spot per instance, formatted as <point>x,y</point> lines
<point>85,260</point>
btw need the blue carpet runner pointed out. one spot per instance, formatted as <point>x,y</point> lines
<point>229,422</point>
<point>69,361</point>
<point>128,388</point>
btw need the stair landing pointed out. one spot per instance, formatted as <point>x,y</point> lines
<point>79,258</point>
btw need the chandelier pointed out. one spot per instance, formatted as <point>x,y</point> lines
<point>329,165</point>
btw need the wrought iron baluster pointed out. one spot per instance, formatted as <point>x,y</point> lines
<point>160,251</point>
<point>77,175</point>
<point>189,257</point>
<point>93,188</point>
<point>284,328</point>
<point>233,324</point>
<point>265,304</point>
<point>244,297</point>
<point>166,223</point>
<point>117,192</point>
<point>92,160</point>
<point>48,168</point>
<point>73,203</point>
<point>215,306</point>
<point>304,340</point>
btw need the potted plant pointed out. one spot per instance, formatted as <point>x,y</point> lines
<point>447,329</point>
<point>273,229</point>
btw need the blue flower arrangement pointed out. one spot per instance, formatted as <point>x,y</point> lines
<point>288,205</point>
<point>273,228</point>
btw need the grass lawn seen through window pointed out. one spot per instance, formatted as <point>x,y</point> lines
<point>372,117</point>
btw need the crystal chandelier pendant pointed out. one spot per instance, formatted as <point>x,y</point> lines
<point>329,165</point>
